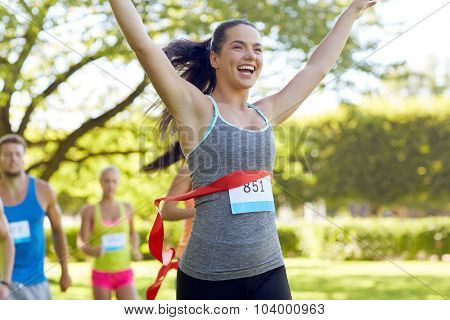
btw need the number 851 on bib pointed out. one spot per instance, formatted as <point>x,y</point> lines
<point>255,196</point>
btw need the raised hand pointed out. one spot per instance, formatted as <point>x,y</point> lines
<point>359,6</point>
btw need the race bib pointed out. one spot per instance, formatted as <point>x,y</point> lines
<point>20,231</point>
<point>113,242</point>
<point>255,196</point>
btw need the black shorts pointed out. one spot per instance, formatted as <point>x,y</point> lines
<point>271,285</point>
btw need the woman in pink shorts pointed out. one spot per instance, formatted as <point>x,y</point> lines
<point>107,233</point>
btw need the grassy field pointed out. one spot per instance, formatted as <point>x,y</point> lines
<point>309,280</point>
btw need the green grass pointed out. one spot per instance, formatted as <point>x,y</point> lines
<point>309,280</point>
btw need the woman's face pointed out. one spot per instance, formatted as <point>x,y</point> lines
<point>109,181</point>
<point>240,60</point>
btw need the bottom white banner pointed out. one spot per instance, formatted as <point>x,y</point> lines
<point>226,310</point>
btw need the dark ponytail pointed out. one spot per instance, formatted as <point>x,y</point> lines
<point>191,60</point>
<point>171,156</point>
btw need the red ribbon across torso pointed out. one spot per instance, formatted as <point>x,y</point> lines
<point>156,238</point>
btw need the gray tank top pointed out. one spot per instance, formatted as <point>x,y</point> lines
<point>222,245</point>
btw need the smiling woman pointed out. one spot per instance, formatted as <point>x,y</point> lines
<point>234,251</point>
<point>199,63</point>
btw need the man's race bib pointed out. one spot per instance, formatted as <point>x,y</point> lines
<point>20,231</point>
<point>113,242</point>
<point>255,196</point>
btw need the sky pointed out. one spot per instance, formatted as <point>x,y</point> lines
<point>427,40</point>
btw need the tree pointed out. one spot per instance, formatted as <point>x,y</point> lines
<point>49,51</point>
<point>385,153</point>
<point>402,80</point>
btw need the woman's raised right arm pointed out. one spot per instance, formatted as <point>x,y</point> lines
<point>177,94</point>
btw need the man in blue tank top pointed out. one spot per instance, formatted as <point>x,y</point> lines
<point>6,255</point>
<point>26,202</point>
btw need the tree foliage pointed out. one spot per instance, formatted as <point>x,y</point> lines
<point>58,62</point>
<point>385,153</point>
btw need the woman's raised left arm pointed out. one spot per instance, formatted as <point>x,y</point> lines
<point>282,105</point>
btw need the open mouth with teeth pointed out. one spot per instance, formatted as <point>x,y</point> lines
<point>246,69</point>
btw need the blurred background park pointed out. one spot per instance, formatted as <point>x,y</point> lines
<point>362,178</point>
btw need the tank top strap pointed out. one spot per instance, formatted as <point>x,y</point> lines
<point>122,210</point>
<point>31,192</point>
<point>31,186</point>
<point>212,122</point>
<point>260,113</point>
<point>215,114</point>
<point>97,213</point>
<point>31,197</point>
<point>216,108</point>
